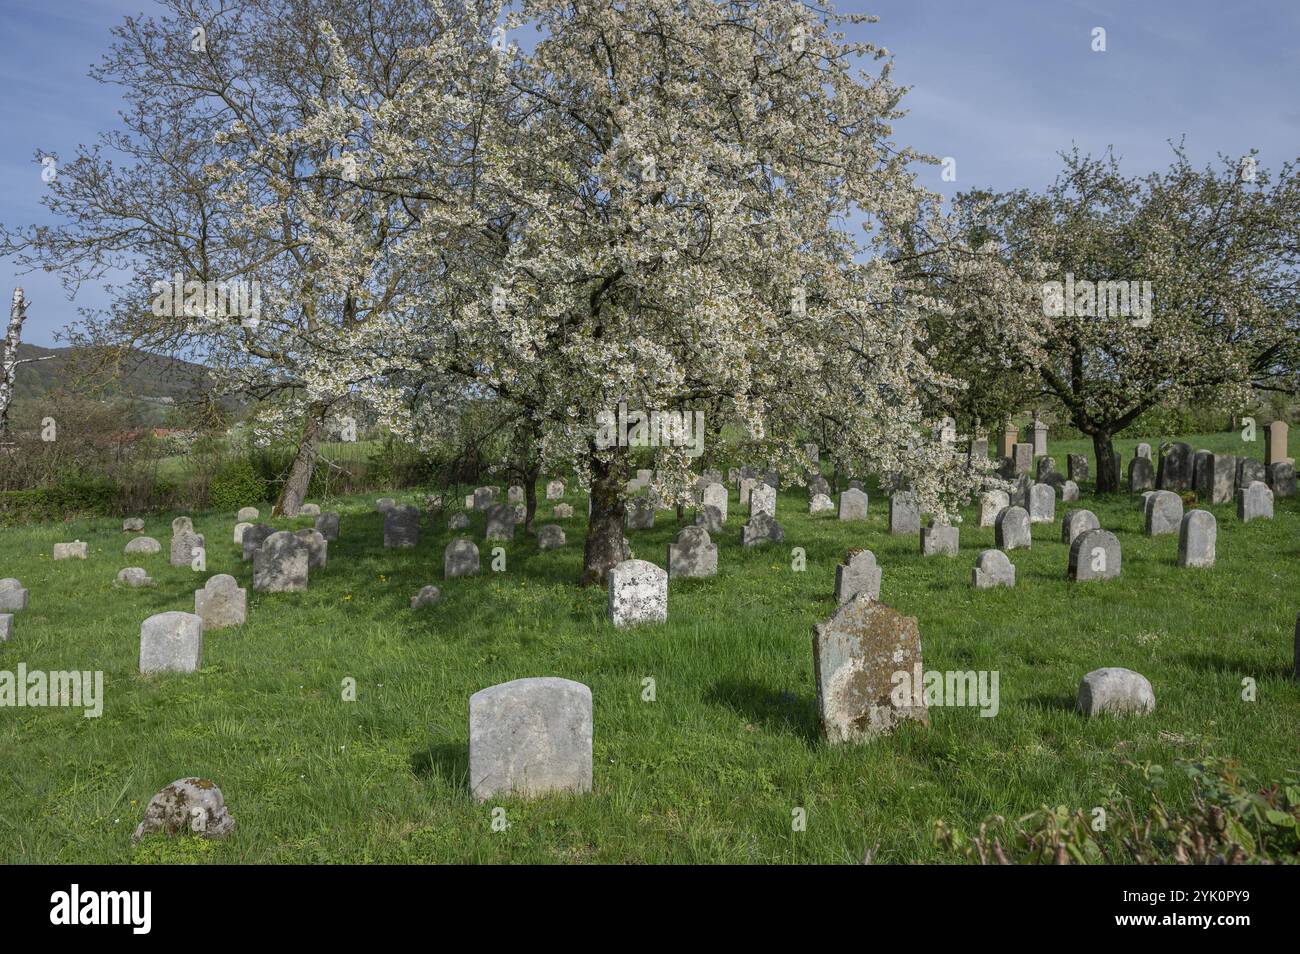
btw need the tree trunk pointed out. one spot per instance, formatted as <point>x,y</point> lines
<point>296,485</point>
<point>1107,472</point>
<point>605,546</point>
<point>530,499</point>
<point>9,360</point>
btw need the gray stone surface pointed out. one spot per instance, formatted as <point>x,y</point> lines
<point>563,511</point>
<point>1255,502</point>
<point>247,514</point>
<point>77,550</point>
<point>992,569</point>
<point>709,518</point>
<point>1281,478</point>
<point>171,642</point>
<point>762,500</point>
<point>939,539</point>
<point>6,627</point>
<point>221,602</point>
<point>638,593</point>
<point>1142,450</point>
<point>1163,513</point>
<point>1094,555</point>
<point>1011,529</point>
<point>13,595</point>
<point>280,564</point>
<point>182,525</point>
<point>694,555</point>
<point>1045,466</point>
<point>1042,504</point>
<point>461,558</point>
<point>1216,477</point>
<point>328,525</point>
<point>762,528</point>
<point>142,545</point>
<point>1250,470</point>
<point>402,527</point>
<point>715,495</point>
<point>1069,492</point>
<point>184,547</point>
<point>853,505</point>
<point>515,494</point>
<point>550,537</point>
<point>484,497</point>
<point>458,521</point>
<point>318,547</point>
<point>254,537</point>
<point>1077,467</point>
<point>745,488</point>
<point>858,574</point>
<point>238,535</point>
<point>1076,522</point>
<point>992,503</point>
<point>1115,690</point>
<point>820,503</point>
<point>309,510</point>
<point>530,737</point>
<point>819,485</point>
<point>385,504</point>
<point>1196,539</point>
<point>134,576</point>
<point>500,523</point>
<point>1141,476</point>
<point>428,596</point>
<point>132,525</point>
<point>904,515</point>
<point>1022,458</point>
<point>855,656</point>
<point>1175,471</point>
<point>555,490</point>
<point>187,806</point>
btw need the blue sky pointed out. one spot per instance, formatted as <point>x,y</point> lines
<point>1000,86</point>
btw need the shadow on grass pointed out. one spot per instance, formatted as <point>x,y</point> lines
<point>1052,703</point>
<point>445,762</point>
<point>1218,665</point>
<point>780,711</point>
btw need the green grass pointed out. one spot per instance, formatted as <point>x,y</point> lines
<point>709,772</point>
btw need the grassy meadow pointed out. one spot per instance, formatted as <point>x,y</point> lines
<point>711,770</point>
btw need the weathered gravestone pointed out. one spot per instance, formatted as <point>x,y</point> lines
<point>763,500</point>
<point>76,550</point>
<point>819,485</point>
<point>992,569</point>
<point>1281,478</point>
<point>238,535</point>
<point>1011,529</point>
<point>641,514</point>
<point>309,510</point>
<point>458,521</point>
<point>856,575</point>
<point>1163,513</point>
<point>1255,503</point>
<point>182,525</point>
<point>171,642</point>
<point>638,593</point>
<point>247,514</point>
<point>715,495</point>
<point>6,627</point>
<point>562,511</point>
<point>992,503</point>
<point>550,537</point>
<point>1094,555</point>
<point>939,538</point>
<point>1215,476</point>
<point>853,505</point>
<point>1175,471</point>
<point>1046,465</point>
<point>1020,491</point>
<point>746,487</point>
<point>328,525</point>
<point>188,805</point>
<point>1076,522</point>
<point>1115,690</point>
<point>1069,491</point>
<point>1022,458</point>
<point>134,576</point>
<point>253,538</point>
<point>1196,538</point>
<point>484,497</point>
<point>133,525</point>
<point>221,602</point>
<point>428,596</point>
<point>710,518</point>
<point>1140,475</point>
<point>555,490</point>
<point>514,494</point>
<point>185,546</point>
<point>280,564</point>
<point>904,515</point>
<point>143,545</point>
<point>13,596</point>
<point>402,527</point>
<point>530,737</point>
<point>820,503</point>
<point>1249,471</point>
<point>694,555</point>
<point>762,528</point>
<point>1077,465</point>
<point>385,504</point>
<point>856,654</point>
<point>1037,433</point>
<point>460,559</point>
<point>855,485</point>
<point>500,523</point>
<point>317,547</point>
<point>1042,504</point>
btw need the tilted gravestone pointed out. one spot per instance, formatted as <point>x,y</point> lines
<point>1163,513</point>
<point>992,503</point>
<point>715,495</point>
<point>855,656</point>
<point>143,545</point>
<point>856,575</point>
<point>402,527</point>
<point>550,537</point>
<point>328,525</point>
<point>904,514</point>
<point>13,596</point>
<point>1076,522</point>
<point>638,593</point>
<point>694,555</point>
<point>1094,555</point>
<point>187,806</point>
<point>221,602</point>
<point>1011,529</point>
<point>939,539</point>
<point>1115,690</point>
<point>853,505</point>
<point>1140,475</point>
<point>280,564</point>
<point>171,642</point>
<point>1196,538</point>
<point>762,528</point>
<point>1175,471</point>
<point>1255,503</point>
<point>461,558</point>
<point>992,569</point>
<point>530,737</point>
<point>1042,504</point>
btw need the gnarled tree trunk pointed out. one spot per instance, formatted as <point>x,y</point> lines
<point>1107,472</point>
<point>605,546</point>
<point>296,485</point>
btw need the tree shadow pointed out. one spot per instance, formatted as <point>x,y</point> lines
<point>776,710</point>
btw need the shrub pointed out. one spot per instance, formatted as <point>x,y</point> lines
<point>236,484</point>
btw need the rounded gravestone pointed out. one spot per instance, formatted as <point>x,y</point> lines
<point>192,805</point>
<point>1115,690</point>
<point>1094,555</point>
<point>1196,539</point>
<point>1011,529</point>
<point>143,545</point>
<point>993,568</point>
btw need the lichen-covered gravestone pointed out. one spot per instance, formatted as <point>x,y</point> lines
<point>993,568</point>
<point>904,516</point>
<point>694,555</point>
<point>762,528</point>
<point>1094,555</point>
<point>182,525</point>
<point>1255,503</point>
<point>133,525</point>
<point>1011,529</point>
<point>193,805</point>
<point>1046,466</point>
<point>500,523</point>
<point>1077,466</point>
<point>1249,471</point>
<point>820,503</point>
<point>856,575</point>
<point>221,602</point>
<point>328,526</point>
<point>853,505</point>
<point>171,642</point>
<point>1075,522</point>
<point>1163,514</point>
<point>143,545</point>
<point>247,514</point>
<point>76,550</point>
<point>1281,478</point>
<point>402,527</point>
<point>458,521</point>
<point>939,539</point>
<point>562,511</point>
<point>1215,476</point>
<point>1140,475</point>
<point>238,535</point>
<point>13,596</point>
<point>855,656</point>
<point>514,494</point>
<point>715,495</point>
<point>461,558</point>
<point>1115,690</point>
<point>992,503</point>
<point>1196,538</point>
<point>550,537</point>
<point>253,539</point>
<point>134,576</point>
<point>638,593</point>
<point>762,499</point>
<point>530,737</point>
<point>428,596</point>
<point>484,497</point>
<point>1042,503</point>
<point>309,510</point>
<point>280,564</point>
<point>1069,491</point>
<point>555,490</point>
<point>185,546</point>
<point>710,518</point>
<point>317,547</point>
